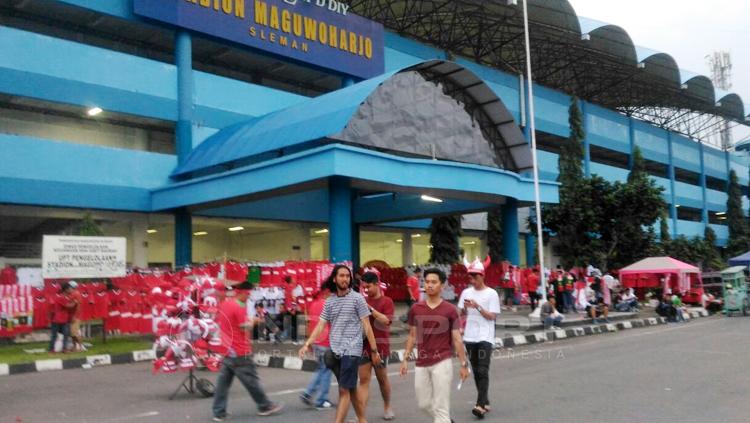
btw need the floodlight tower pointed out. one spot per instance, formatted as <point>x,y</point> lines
<point>720,63</point>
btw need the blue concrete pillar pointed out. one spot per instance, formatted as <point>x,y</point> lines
<point>526,112</point>
<point>341,225</point>
<point>631,140</point>
<point>183,238</point>
<point>511,247</point>
<point>185,92</point>
<point>586,143</point>
<point>704,195</point>
<point>729,169</point>
<point>672,194</point>
<point>530,249</point>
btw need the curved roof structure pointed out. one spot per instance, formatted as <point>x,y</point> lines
<point>593,60</point>
<point>459,119</point>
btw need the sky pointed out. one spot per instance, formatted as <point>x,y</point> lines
<point>688,30</point>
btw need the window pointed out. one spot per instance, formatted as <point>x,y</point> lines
<point>717,217</point>
<point>687,176</point>
<point>657,169</point>
<point>690,214</point>
<point>609,157</point>
<point>716,184</point>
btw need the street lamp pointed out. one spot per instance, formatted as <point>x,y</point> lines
<point>532,130</point>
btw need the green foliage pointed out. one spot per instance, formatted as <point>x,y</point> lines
<point>570,160</point>
<point>444,237</point>
<point>89,227</point>
<point>495,235</point>
<point>604,223</point>
<point>739,239</point>
<point>712,258</point>
<point>701,252</point>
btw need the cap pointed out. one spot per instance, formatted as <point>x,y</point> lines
<point>73,284</point>
<point>244,285</point>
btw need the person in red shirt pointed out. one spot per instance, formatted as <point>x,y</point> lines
<point>63,308</point>
<point>75,318</point>
<point>434,326</point>
<point>321,380</point>
<point>381,317</point>
<point>412,283</point>
<point>532,285</point>
<point>292,293</point>
<point>235,327</point>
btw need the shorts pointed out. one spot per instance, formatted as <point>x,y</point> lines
<point>366,360</point>
<point>349,372</point>
<point>75,328</point>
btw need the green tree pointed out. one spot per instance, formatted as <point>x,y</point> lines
<point>739,242</point>
<point>711,256</point>
<point>495,235</point>
<point>569,220</point>
<point>89,227</point>
<point>635,207</point>
<point>689,250</point>
<point>444,237</point>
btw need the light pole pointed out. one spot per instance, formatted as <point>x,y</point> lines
<point>532,129</point>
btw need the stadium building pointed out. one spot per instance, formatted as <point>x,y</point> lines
<point>312,129</point>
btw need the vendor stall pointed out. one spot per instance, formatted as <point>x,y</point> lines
<point>666,274</point>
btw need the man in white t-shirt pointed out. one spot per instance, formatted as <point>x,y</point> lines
<point>481,305</point>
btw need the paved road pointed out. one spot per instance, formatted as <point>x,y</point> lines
<point>694,372</point>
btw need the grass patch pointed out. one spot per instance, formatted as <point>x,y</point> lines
<point>14,354</point>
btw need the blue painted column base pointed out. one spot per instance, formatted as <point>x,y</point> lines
<point>341,225</point>
<point>530,249</point>
<point>183,238</point>
<point>511,244</point>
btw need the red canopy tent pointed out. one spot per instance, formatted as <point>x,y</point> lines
<point>665,273</point>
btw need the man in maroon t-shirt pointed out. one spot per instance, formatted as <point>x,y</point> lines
<point>381,317</point>
<point>235,330</point>
<point>434,326</point>
<point>532,285</point>
<point>62,307</point>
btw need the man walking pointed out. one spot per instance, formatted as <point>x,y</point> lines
<point>235,327</point>
<point>348,315</point>
<point>381,317</point>
<point>480,305</point>
<point>321,381</point>
<point>434,328</point>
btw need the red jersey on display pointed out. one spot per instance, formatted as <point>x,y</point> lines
<point>8,276</point>
<point>235,339</point>
<point>382,332</point>
<point>413,284</point>
<point>42,312</point>
<point>434,326</point>
<point>313,317</point>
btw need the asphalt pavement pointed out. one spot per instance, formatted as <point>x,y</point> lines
<point>693,372</point>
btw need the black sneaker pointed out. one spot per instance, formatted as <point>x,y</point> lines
<point>306,399</point>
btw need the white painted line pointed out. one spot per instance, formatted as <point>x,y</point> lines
<point>99,360</point>
<point>560,334</point>
<point>47,365</point>
<point>627,325</point>
<point>136,416</point>
<point>293,363</point>
<point>704,313</point>
<point>499,342</point>
<point>4,369</point>
<point>540,336</point>
<point>519,340</point>
<point>144,355</point>
<point>652,320</point>
<point>695,314</point>
<point>611,327</point>
<point>262,360</point>
<point>400,354</point>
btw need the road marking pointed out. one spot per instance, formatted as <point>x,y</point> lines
<point>51,364</point>
<point>136,416</point>
<point>4,369</point>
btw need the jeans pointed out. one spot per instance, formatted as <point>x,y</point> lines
<point>569,303</point>
<point>245,370</point>
<point>321,380</point>
<point>63,328</point>
<point>291,332</point>
<point>480,354</point>
<point>550,321</point>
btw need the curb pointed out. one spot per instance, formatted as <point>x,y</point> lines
<point>294,363</point>
<point>87,362</point>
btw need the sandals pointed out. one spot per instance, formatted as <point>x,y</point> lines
<point>479,412</point>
